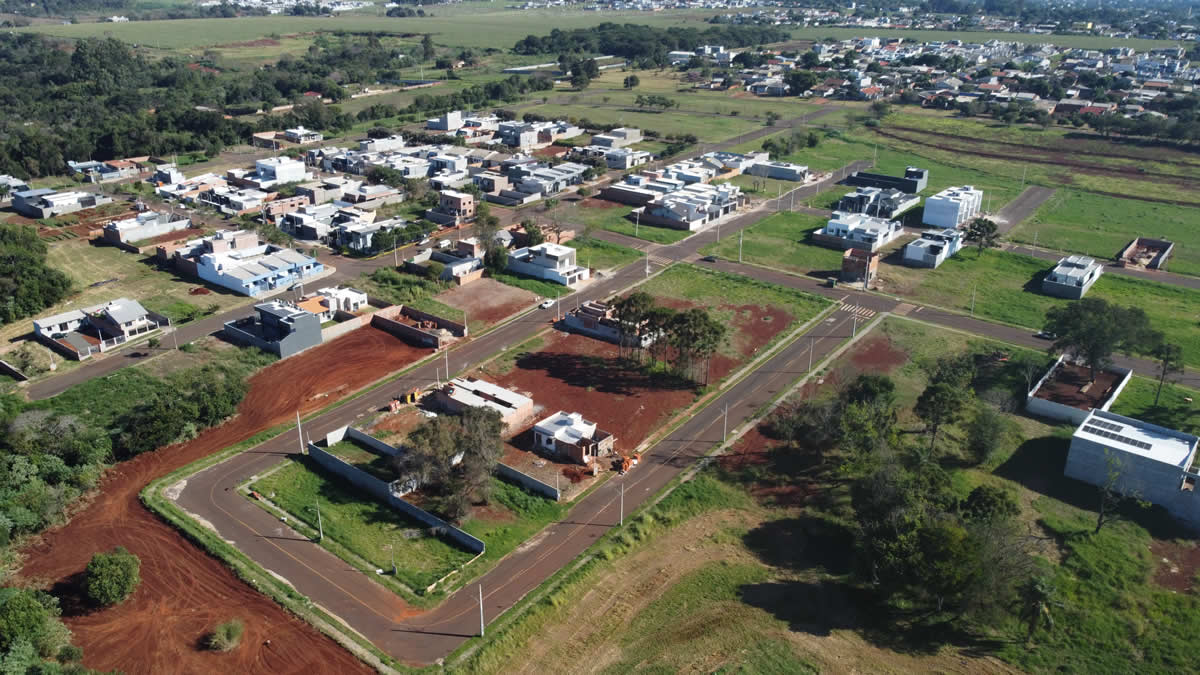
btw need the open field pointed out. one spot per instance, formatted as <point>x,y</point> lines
<point>486,301</point>
<point>472,24</point>
<point>362,525</point>
<point>594,212</point>
<point>710,128</point>
<point>1008,289</point>
<point>602,255</point>
<point>1101,226</point>
<point>1173,411</point>
<point>102,273</point>
<point>184,591</point>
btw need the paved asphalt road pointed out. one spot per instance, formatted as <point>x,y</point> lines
<point>425,637</point>
<point>1022,207</point>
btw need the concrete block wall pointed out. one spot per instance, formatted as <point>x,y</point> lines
<point>371,442</point>
<point>382,492</point>
<point>528,482</point>
<point>1156,482</point>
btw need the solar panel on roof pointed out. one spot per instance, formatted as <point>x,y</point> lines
<point>1117,437</point>
<point>1106,425</point>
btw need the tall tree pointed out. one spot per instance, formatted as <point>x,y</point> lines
<point>941,403</point>
<point>984,233</point>
<point>630,313</point>
<point>428,52</point>
<point>1170,361</point>
<point>1092,329</point>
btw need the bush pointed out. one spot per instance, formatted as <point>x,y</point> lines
<point>70,654</point>
<point>226,636</point>
<point>112,577</point>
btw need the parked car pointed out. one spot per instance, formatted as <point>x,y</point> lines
<point>547,304</point>
<point>1045,335</point>
<point>709,258</point>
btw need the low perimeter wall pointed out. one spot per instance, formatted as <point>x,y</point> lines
<point>1065,413</point>
<point>382,491</point>
<point>528,482</point>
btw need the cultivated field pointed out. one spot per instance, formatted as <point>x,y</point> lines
<point>184,591</point>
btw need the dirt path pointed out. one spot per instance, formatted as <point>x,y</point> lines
<point>184,592</point>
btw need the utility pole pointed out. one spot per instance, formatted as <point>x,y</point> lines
<point>812,346</point>
<point>174,340</point>
<point>1035,234</point>
<point>299,433</point>
<point>622,504</point>
<point>447,364</point>
<point>480,610</point>
<point>647,267</point>
<point>320,525</point>
<point>973,299</point>
<point>739,248</point>
<point>718,239</point>
<point>393,549</point>
<point>396,255</point>
<point>1023,170</point>
<point>637,219</point>
<point>725,429</point>
<point>854,329</point>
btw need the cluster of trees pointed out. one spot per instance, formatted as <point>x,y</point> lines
<point>646,46</point>
<point>1092,329</point>
<point>918,543</point>
<point>686,340</point>
<point>31,632</point>
<point>779,148</point>
<point>27,284</point>
<point>455,458</point>
<point>582,71</point>
<point>655,101</point>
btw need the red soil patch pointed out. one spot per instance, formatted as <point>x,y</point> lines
<point>877,355</point>
<point>576,373</point>
<point>1071,385</point>
<point>487,300</point>
<point>575,474</point>
<point>184,592</point>
<point>202,69</point>
<point>751,449</point>
<point>752,327</point>
<point>596,203</point>
<point>551,151</point>
<point>189,233</point>
<point>199,290</point>
<point>401,422</point>
<point>1175,565</point>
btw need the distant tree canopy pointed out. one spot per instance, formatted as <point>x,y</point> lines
<point>645,45</point>
<point>27,284</point>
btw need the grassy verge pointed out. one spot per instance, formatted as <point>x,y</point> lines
<point>778,241</point>
<point>599,254</point>
<point>539,287</point>
<point>1174,409</point>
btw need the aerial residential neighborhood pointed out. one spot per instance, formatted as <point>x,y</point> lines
<point>610,336</point>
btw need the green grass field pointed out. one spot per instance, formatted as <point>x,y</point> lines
<point>1100,226</point>
<point>600,255</point>
<point>614,218</point>
<point>539,287</point>
<point>778,241</point>
<point>471,24</point>
<point>1173,411</point>
<point>1008,289</point>
<point>710,128</point>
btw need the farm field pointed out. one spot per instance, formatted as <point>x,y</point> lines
<point>102,273</point>
<point>1101,226</point>
<point>471,24</point>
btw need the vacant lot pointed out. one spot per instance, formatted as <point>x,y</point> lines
<point>605,215</point>
<point>603,255</point>
<point>1178,407</point>
<point>779,241</point>
<point>710,128</point>
<point>1100,226</point>
<point>1007,287</point>
<point>103,273</point>
<point>487,301</point>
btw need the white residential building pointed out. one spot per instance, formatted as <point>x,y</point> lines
<point>953,207</point>
<point>618,138</point>
<point>857,230</point>
<point>1072,277</point>
<point>933,247</point>
<point>302,135</point>
<point>552,262</point>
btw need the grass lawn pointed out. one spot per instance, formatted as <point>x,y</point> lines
<point>539,287</point>
<point>778,241</point>
<point>102,273</point>
<point>709,128</point>
<point>1008,289</point>
<point>599,254</point>
<point>614,218</point>
<point>1173,411</point>
<point>1100,226</point>
<point>708,288</point>
<point>360,524</point>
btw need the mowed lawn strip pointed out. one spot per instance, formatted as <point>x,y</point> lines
<point>600,255</point>
<point>1007,288</point>
<point>777,241</point>
<point>1100,226</point>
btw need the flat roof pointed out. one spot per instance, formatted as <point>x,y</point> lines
<point>1068,384</point>
<point>1126,434</point>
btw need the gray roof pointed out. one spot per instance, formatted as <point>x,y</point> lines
<point>124,309</point>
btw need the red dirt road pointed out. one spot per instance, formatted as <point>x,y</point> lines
<point>184,592</point>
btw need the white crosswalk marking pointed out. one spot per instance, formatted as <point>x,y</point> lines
<point>659,260</point>
<point>861,312</point>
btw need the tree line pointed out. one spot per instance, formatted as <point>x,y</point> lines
<point>27,284</point>
<point>684,340</point>
<point>646,46</point>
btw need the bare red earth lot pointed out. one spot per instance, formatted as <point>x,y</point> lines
<point>487,300</point>
<point>1176,565</point>
<point>184,592</point>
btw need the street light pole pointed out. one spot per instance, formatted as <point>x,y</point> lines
<point>447,364</point>
<point>812,345</point>
<point>480,610</point>
<point>320,525</point>
<point>973,299</point>
<point>725,427</point>
<point>739,248</point>
<point>622,504</point>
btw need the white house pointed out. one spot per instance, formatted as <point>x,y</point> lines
<point>857,230</point>
<point>571,436</point>
<point>952,207</point>
<point>302,135</point>
<point>1072,277</point>
<point>933,247</point>
<point>552,262</point>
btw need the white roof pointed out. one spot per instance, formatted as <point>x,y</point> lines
<point>504,401</point>
<point>1125,434</point>
<point>567,427</point>
<point>548,248</point>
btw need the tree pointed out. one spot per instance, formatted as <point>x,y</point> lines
<point>941,403</point>
<point>1170,360</point>
<point>580,81</point>
<point>1114,491</point>
<point>1038,596</point>
<point>1092,329</point>
<point>434,269</point>
<point>112,577</point>
<point>533,232</point>
<point>812,140</point>
<point>481,444</point>
<point>427,50</point>
<point>772,118</point>
<point>984,233</point>
<point>986,432</point>
<point>632,81</point>
<point>630,313</point>
<point>495,259</point>
<point>880,109</point>
<point>226,636</point>
<point>989,503</point>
